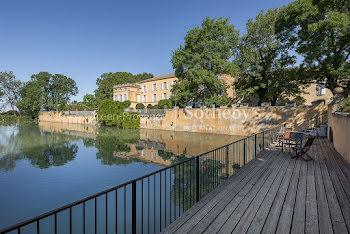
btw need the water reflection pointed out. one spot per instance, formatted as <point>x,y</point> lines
<point>43,149</point>
<point>54,144</point>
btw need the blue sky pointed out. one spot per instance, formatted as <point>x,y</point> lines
<point>83,39</point>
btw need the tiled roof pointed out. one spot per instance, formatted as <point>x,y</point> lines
<point>158,78</point>
<point>126,85</point>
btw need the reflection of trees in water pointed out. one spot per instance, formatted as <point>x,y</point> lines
<point>184,184</point>
<point>110,141</point>
<point>42,149</point>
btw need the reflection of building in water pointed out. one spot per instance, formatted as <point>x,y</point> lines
<point>146,154</point>
<point>191,144</point>
<point>152,142</point>
<point>79,130</point>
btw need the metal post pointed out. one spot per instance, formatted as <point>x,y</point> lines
<point>263,141</point>
<point>197,179</point>
<point>134,206</point>
<point>227,161</point>
<point>244,151</point>
<point>255,145</point>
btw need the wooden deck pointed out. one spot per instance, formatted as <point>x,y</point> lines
<point>277,194</point>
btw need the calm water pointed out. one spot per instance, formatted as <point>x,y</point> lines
<point>45,166</point>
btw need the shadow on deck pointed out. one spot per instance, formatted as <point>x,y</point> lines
<point>277,194</point>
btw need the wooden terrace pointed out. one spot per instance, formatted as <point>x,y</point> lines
<point>275,193</point>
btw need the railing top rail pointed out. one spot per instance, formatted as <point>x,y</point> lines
<point>55,211</point>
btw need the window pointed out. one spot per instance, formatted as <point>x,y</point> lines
<point>154,97</point>
<point>120,98</point>
<point>165,96</point>
<point>144,88</point>
<point>165,85</point>
<point>320,89</point>
<point>138,98</point>
<point>144,98</point>
<point>154,87</point>
<point>172,83</point>
<point>125,97</point>
<point>114,97</point>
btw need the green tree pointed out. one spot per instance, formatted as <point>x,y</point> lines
<point>9,89</point>
<point>106,82</point>
<point>89,101</point>
<point>32,98</point>
<point>200,62</point>
<point>264,62</point>
<point>319,30</point>
<point>165,104</point>
<point>111,113</point>
<point>45,88</point>
<point>61,89</point>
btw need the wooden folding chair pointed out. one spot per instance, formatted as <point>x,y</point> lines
<point>300,151</point>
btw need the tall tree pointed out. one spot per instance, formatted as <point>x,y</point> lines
<point>265,62</point>
<point>9,89</point>
<point>319,30</point>
<point>48,89</point>
<point>89,101</point>
<point>200,62</point>
<point>106,82</point>
<point>61,89</point>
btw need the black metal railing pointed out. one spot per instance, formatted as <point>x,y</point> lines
<point>151,202</point>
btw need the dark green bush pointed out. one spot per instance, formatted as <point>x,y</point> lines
<point>149,106</point>
<point>140,106</point>
<point>165,104</point>
<point>130,120</point>
<point>345,107</point>
<point>112,113</point>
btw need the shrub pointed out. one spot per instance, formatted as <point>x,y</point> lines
<point>165,104</point>
<point>126,103</point>
<point>112,113</point>
<point>130,120</point>
<point>140,106</point>
<point>149,106</point>
<point>62,106</point>
<point>345,107</point>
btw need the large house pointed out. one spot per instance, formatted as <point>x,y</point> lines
<point>152,90</point>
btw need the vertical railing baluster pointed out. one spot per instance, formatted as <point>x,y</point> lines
<point>148,206</point>
<point>263,140</point>
<point>154,202</point>
<point>134,206</point>
<point>170,185</point>
<point>160,201</point>
<point>197,179</point>
<point>255,145</point>
<point>37,227</point>
<point>107,213</point>
<point>70,220</point>
<point>125,208</point>
<point>141,205</point>
<point>244,151</point>
<point>95,215</point>
<point>55,223</point>
<point>116,211</point>
<point>83,218</point>
<point>183,187</point>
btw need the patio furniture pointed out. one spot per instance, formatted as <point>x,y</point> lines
<point>283,133</point>
<point>294,139</point>
<point>300,151</point>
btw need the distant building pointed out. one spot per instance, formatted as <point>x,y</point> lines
<point>152,90</point>
<point>317,93</point>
